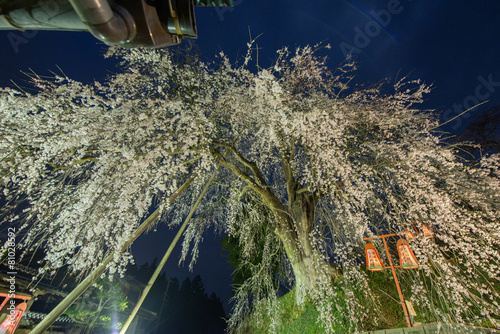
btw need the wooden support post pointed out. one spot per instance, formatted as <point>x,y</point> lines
<point>159,268</point>
<point>96,273</point>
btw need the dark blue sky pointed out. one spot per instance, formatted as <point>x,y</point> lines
<point>454,44</point>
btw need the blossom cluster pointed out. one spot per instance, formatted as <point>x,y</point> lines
<point>309,168</point>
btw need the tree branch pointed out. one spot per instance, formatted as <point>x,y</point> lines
<point>290,181</point>
<point>252,165</point>
<point>268,198</point>
<point>302,190</point>
<point>97,272</point>
<point>237,171</point>
<point>76,162</point>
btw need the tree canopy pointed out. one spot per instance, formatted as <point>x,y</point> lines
<point>305,165</point>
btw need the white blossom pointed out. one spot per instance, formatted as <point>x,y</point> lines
<point>89,162</point>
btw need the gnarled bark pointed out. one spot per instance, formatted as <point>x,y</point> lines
<point>295,232</point>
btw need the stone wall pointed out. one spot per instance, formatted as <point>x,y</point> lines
<point>435,329</point>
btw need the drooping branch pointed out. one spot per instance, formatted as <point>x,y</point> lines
<point>302,190</point>
<point>160,266</point>
<point>97,272</point>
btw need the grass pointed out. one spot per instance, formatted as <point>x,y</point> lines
<point>296,320</point>
<point>293,319</point>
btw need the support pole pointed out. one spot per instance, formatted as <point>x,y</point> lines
<point>405,310</point>
<point>97,272</point>
<point>9,296</point>
<point>4,303</point>
<point>166,256</point>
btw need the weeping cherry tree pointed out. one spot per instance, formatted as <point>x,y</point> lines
<point>307,167</point>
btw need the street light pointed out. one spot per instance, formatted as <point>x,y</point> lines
<point>407,258</point>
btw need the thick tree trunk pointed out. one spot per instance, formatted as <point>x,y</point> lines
<point>293,224</point>
<point>306,271</point>
<point>296,235</point>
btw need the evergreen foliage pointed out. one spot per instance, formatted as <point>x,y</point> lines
<point>182,308</point>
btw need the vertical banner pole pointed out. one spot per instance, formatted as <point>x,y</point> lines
<point>397,284</point>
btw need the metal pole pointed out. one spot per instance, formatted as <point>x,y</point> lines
<point>397,284</point>
<point>4,302</point>
<point>112,26</point>
<point>10,296</point>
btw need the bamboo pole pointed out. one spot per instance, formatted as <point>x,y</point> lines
<point>166,256</point>
<point>97,272</point>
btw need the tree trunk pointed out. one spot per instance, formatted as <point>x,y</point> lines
<point>293,225</point>
<point>305,258</point>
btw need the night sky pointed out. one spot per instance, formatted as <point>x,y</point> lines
<point>454,45</point>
